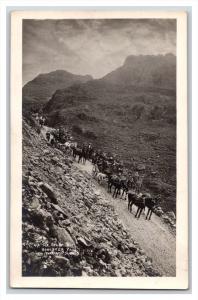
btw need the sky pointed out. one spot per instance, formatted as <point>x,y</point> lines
<point>94,47</point>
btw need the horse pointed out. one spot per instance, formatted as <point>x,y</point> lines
<point>111,179</point>
<point>124,186</point>
<point>84,155</point>
<point>114,180</point>
<point>138,200</point>
<point>81,153</point>
<point>89,151</point>
<point>127,184</point>
<point>150,203</point>
<point>52,142</point>
<point>77,151</point>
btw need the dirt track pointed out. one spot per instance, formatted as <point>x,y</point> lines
<point>153,236</point>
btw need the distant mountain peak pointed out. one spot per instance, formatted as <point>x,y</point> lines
<point>145,70</point>
<point>43,86</point>
<point>62,73</point>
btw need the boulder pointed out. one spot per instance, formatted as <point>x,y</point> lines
<point>132,248</point>
<point>59,209</point>
<point>48,190</point>
<point>74,253</point>
<point>35,204</point>
<point>171,215</point>
<point>140,167</point>
<point>151,271</point>
<point>103,254</point>
<point>65,223</point>
<point>87,271</point>
<point>158,212</point>
<point>115,264</point>
<point>55,160</point>
<point>33,258</point>
<point>40,217</point>
<point>32,181</point>
<point>82,242</point>
<point>166,219</point>
<point>76,272</point>
<point>63,237</point>
<point>46,152</point>
<point>63,261</point>
<point>117,273</point>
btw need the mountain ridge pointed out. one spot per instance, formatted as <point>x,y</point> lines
<point>40,89</point>
<point>158,71</point>
<point>145,70</point>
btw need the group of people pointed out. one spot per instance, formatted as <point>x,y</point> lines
<point>112,168</point>
<point>119,180</point>
<point>82,153</point>
<point>41,120</point>
<point>124,183</point>
<point>106,167</point>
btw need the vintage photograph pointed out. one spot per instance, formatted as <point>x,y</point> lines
<point>99,181</point>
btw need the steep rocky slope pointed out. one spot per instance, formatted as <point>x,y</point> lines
<point>69,229</point>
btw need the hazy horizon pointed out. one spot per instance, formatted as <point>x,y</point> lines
<point>91,47</point>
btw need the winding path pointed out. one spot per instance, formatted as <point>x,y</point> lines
<point>153,236</point>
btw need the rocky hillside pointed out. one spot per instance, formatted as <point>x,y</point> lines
<point>130,113</point>
<point>146,70</point>
<point>136,124</point>
<point>69,229</point>
<point>41,88</point>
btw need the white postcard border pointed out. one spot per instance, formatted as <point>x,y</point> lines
<point>16,279</point>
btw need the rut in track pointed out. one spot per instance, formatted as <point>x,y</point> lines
<point>153,236</point>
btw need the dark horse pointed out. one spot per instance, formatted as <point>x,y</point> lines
<point>138,200</point>
<point>124,186</point>
<point>81,153</point>
<point>150,203</point>
<point>77,152</point>
<point>84,155</point>
<point>141,202</point>
<point>114,180</point>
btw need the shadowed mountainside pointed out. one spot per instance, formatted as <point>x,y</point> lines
<point>41,88</point>
<point>146,70</point>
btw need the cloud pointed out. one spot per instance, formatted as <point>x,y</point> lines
<point>93,47</point>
